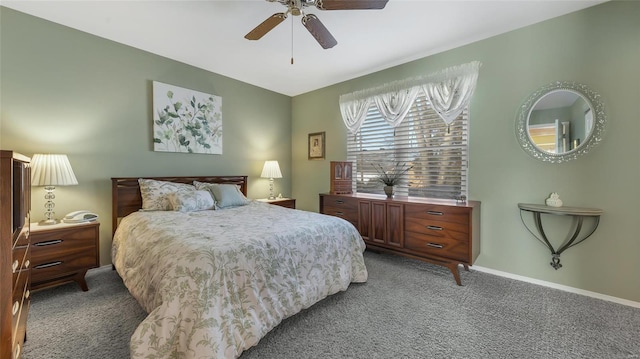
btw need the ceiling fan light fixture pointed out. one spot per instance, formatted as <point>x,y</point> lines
<point>310,21</point>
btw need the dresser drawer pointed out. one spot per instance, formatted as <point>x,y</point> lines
<point>437,228</point>
<point>343,207</point>
<point>437,213</point>
<point>344,203</point>
<point>22,238</point>
<point>446,245</point>
<point>20,326</point>
<point>20,263</point>
<point>345,213</point>
<point>20,296</point>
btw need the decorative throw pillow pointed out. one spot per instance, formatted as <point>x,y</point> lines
<point>191,201</point>
<point>154,193</point>
<point>225,195</point>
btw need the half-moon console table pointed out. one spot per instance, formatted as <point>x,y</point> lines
<point>576,212</point>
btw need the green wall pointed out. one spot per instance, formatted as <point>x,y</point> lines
<point>65,91</point>
<point>600,47</point>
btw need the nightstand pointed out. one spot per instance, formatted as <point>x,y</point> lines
<point>62,253</point>
<point>282,202</point>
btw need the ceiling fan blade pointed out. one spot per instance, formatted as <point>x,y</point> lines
<point>266,26</point>
<point>319,31</point>
<point>351,4</point>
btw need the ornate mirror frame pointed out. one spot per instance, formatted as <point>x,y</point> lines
<point>599,121</point>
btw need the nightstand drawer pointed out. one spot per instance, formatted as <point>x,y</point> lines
<point>282,202</point>
<point>52,247</point>
<point>286,203</point>
<point>60,266</point>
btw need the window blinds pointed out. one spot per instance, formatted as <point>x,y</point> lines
<point>437,153</point>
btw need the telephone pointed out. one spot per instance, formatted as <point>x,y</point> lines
<point>80,217</point>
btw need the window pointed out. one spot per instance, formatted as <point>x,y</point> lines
<point>437,152</point>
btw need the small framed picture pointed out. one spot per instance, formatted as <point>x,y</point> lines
<point>316,146</point>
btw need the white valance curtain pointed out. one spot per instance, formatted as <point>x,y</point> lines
<point>449,92</point>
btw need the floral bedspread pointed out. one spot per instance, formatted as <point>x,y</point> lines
<point>215,282</point>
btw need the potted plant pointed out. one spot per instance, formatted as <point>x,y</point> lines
<point>391,177</point>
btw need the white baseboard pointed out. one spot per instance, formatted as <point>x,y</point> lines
<point>558,286</point>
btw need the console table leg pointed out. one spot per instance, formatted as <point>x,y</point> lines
<point>555,261</point>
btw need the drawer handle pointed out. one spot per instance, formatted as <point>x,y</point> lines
<point>339,213</point>
<point>27,263</point>
<point>17,351</point>
<point>15,265</point>
<point>48,243</point>
<point>435,213</point>
<point>16,306</point>
<point>26,296</point>
<point>434,228</point>
<point>435,245</point>
<point>339,201</point>
<point>47,265</point>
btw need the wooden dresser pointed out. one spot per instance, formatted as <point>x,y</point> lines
<point>441,232</point>
<point>15,199</point>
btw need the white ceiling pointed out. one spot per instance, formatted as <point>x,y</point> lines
<point>210,34</point>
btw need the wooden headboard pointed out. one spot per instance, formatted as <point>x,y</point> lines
<point>126,197</point>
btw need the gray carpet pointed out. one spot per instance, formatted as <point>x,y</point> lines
<point>407,309</point>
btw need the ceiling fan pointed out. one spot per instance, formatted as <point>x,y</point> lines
<point>310,21</point>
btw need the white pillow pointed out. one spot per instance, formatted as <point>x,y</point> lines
<point>154,193</point>
<point>191,201</point>
<point>225,195</point>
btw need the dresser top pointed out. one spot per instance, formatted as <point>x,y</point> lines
<point>406,199</point>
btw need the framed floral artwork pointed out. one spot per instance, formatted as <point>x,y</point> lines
<point>186,120</point>
<point>316,146</point>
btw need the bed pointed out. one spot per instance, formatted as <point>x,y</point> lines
<point>214,282</point>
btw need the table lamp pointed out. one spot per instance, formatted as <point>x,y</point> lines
<point>271,170</point>
<point>50,170</point>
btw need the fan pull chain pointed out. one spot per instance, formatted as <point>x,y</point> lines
<point>291,40</point>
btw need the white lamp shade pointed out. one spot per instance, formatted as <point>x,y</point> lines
<point>51,170</point>
<point>271,169</point>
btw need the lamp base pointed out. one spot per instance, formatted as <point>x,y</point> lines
<point>47,222</point>
<point>271,196</point>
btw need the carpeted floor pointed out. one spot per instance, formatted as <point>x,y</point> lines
<point>407,309</point>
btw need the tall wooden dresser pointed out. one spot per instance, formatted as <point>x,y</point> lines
<point>15,200</point>
<point>441,232</point>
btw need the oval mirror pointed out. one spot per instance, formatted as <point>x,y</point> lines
<point>560,122</point>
